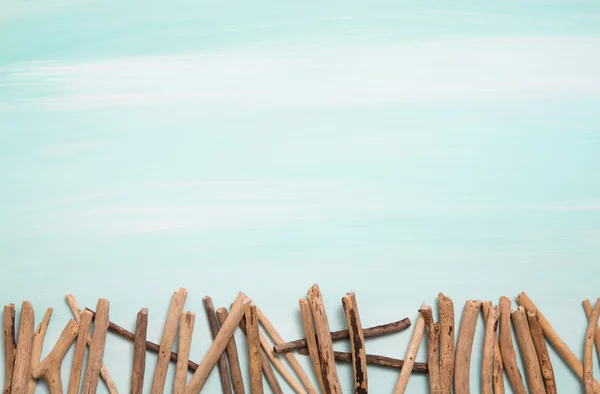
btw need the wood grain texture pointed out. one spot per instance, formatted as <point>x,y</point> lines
<point>96,353</point>
<point>489,346</point>
<point>587,307</point>
<point>533,373</point>
<point>237,379</point>
<point>83,332</point>
<point>186,330</point>
<point>357,343</point>
<point>464,347</point>
<point>433,332</point>
<point>498,367</point>
<point>446,316</point>
<point>38,343</point>
<point>139,352</point>
<point>214,330</point>
<point>411,353</point>
<point>509,355</point>
<point>588,366</point>
<point>253,336</point>
<point>22,369</point>
<point>10,346</point>
<point>311,341</point>
<point>541,350</point>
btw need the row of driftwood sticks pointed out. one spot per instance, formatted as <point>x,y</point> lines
<point>448,361</point>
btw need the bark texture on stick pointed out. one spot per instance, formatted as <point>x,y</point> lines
<point>464,347</point>
<point>542,352</point>
<point>167,339</point>
<point>370,332</point>
<point>587,307</point>
<point>253,335</point>
<point>411,353</point>
<point>218,346</point>
<point>561,348</point>
<point>489,347</point>
<point>38,344</point>
<point>357,344</point>
<point>139,352</point>
<point>22,369</point>
<point>311,341</point>
<point>10,346</point>
<point>382,361</point>
<point>232,354</point>
<point>509,355</point>
<point>446,315</point>
<point>214,329</point>
<point>498,368</point>
<point>433,332</point>
<point>291,359</point>
<point>49,369</point>
<point>96,353</point>
<point>531,364</point>
<point>588,367</point>
<point>186,329</point>
<point>330,375</point>
<point>83,331</point>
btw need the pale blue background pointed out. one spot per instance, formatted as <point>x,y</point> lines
<point>394,148</point>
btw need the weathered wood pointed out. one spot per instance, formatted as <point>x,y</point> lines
<point>433,332</point>
<point>311,341</point>
<point>375,360</point>
<point>139,352</point>
<point>49,369</point>
<point>186,329</point>
<point>464,347</point>
<point>411,353</point>
<point>587,307</point>
<point>498,367</point>
<point>38,344</point>
<point>446,316</point>
<point>370,332</point>
<point>253,336</point>
<point>214,329</point>
<point>588,366</point>
<point>22,369</point>
<point>10,346</point>
<point>542,352</point>
<point>237,379</point>
<point>357,343</point>
<point>83,331</point>
<point>533,373</point>
<point>509,355</point>
<point>489,346</point>
<point>96,353</point>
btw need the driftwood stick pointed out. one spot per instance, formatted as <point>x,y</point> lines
<point>253,336</point>
<point>22,369</point>
<point>433,332</point>
<point>218,346</point>
<point>49,369</point>
<point>186,329</point>
<point>489,347</point>
<point>464,347</point>
<point>587,306</point>
<point>139,351</point>
<point>214,329</point>
<point>96,353</point>
<point>372,359</point>
<point>411,353</point>
<point>104,374</point>
<point>36,350</point>
<point>561,348</point>
<point>542,352</point>
<point>330,375</point>
<point>268,326</point>
<point>311,341</point>
<point>588,367</point>
<point>167,339</point>
<point>369,332</point>
<point>233,357</point>
<point>83,332</point>
<point>357,343</point>
<point>509,356</point>
<point>266,365</point>
<point>446,315</point>
<point>531,364</point>
<point>287,376</point>
<point>498,368</point>
<point>10,346</point>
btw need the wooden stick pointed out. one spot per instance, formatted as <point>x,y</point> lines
<point>509,356</point>
<point>22,369</point>
<point>561,348</point>
<point>527,350</point>
<point>167,339</point>
<point>287,376</point>
<point>311,341</point>
<point>446,315</point>
<point>214,329</point>
<point>266,365</point>
<point>253,335</point>
<point>266,323</point>
<point>330,376</point>
<point>10,346</point>
<point>588,367</point>
<point>489,346</point>
<point>139,352</point>
<point>78,358</point>
<point>587,306</point>
<point>372,359</point>
<point>186,329</point>
<point>49,369</point>
<point>542,352</point>
<point>433,332</point>
<point>36,350</point>
<point>218,346</point>
<point>498,368</point>
<point>370,332</point>
<point>357,343</point>
<point>411,353</point>
<point>233,357</point>
<point>464,347</point>
<point>96,353</point>
<point>104,374</point>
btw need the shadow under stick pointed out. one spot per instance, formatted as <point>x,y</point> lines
<point>10,346</point>
<point>83,331</point>
<point>464,346</point>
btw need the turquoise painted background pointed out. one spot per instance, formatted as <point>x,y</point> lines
<point>397,149</point>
